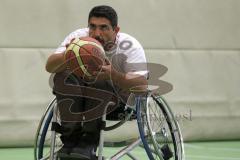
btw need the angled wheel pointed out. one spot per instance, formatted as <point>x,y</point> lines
<point>158,129</point>
<point>45,140</point>
<point>44,137</point>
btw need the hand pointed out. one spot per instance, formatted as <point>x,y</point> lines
<point>104,73</point>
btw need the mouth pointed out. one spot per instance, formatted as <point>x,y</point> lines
<point>100,40</point>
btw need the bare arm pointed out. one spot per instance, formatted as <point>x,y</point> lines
<point>129,81</point>
<point>126,81</point>
<point>55,63</point>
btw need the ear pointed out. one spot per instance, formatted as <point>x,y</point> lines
<point>116,29</point>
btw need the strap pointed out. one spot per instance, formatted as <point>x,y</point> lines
<point>102,125</point>
<point>58,128</point>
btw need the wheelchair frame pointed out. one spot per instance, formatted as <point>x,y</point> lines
<point>155,147</point>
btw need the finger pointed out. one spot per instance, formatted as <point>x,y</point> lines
<point>106,68</point>
<point>67,45</point>
<point>107,61</point>
<point>103,67</point>
<point>95,73</point>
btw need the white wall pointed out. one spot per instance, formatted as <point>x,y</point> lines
<point>197,40</point>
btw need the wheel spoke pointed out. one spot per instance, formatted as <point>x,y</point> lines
<point>163,136</point>
<point>43,140</point>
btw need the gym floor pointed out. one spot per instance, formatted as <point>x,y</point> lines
<point>223,150</point>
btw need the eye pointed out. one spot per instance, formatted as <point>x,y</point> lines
<point>104,27</point>
<point>92,26</point>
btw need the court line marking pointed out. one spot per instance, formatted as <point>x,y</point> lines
<point>212,148</point>
<point>210,157</point>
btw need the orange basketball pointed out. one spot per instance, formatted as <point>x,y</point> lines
<point>84,56</point>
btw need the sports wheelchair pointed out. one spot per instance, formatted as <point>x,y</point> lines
<point>159,132</point>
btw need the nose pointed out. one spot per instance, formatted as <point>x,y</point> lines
<point>97,32</point>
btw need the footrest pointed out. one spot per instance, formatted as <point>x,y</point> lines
<point>167,153</point>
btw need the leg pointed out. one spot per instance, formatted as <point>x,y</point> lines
<point>73,134</point>
<point>79,136</point>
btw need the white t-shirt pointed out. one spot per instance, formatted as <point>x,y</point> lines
<point>127,56</point>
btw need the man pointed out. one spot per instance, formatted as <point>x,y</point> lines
<point>119,75</point>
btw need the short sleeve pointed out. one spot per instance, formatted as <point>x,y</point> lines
<point>76,34</point>
<point>136,62</point>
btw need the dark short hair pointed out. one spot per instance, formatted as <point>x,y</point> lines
<point>106,12</point>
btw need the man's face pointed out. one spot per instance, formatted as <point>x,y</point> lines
<point>100,28</point>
